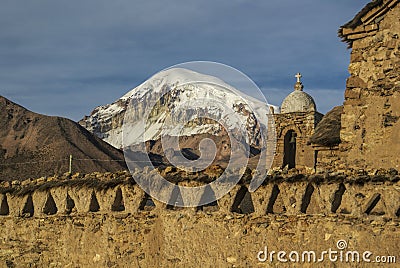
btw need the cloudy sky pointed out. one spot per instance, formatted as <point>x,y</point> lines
<point>67,57</point>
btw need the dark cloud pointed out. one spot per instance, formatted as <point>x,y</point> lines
<point>65,58</point>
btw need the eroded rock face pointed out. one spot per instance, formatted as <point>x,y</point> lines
<point>370,131</point>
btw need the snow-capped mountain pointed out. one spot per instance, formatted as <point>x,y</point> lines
<point>178,95</point>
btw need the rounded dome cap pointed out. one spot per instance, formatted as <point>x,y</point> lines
<point>298,100</point>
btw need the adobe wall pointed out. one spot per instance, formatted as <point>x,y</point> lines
<point>41,228</point>
<point>370,131</point>
<point>327,158</point>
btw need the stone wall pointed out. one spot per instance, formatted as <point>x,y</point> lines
<point>109,222</point>
<point>327,158</point>
<point>303,123</point>
<point>370,131</point>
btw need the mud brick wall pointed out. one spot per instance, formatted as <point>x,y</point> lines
<point>107,221</point>
<point>370,131</point>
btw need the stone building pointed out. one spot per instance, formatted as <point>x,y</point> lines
<point>370,127</point>
<point>295,124</point>
<point>364,133</point>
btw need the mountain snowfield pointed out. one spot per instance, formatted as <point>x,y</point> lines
<point>174,98</point>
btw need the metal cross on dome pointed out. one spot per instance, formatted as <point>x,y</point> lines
<point>298,76</point>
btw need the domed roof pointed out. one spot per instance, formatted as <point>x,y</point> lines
<point>298,100</point>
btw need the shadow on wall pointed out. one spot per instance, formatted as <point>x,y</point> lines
<point>291,198</point>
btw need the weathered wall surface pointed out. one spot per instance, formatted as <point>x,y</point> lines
<point>113,227</point>
<point>182,239</point>
<point>370,123</point>
<point>303,124</point>
<point>327,157</point>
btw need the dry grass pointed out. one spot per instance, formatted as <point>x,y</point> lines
<point>327,132</point>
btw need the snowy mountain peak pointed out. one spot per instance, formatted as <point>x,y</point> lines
<point>178,95</point>
<point>172,77</point>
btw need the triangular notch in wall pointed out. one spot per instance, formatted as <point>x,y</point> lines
<point>118,204</point>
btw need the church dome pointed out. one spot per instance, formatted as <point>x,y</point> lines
<point>298,100</point>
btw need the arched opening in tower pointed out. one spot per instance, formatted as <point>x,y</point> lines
<point>289,156</point>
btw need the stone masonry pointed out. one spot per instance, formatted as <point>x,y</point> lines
<point>370,131</point>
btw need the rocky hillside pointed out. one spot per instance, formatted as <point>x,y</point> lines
<point>169,91</point>
<point>34,145</point>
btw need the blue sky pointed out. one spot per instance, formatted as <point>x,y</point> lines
<point>67,57</point>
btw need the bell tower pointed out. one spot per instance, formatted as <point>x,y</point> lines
<point>295,124</point>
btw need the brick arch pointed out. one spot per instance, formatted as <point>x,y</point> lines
<point>282,132</point>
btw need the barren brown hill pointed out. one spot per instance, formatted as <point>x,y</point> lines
<point>33,145</point>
